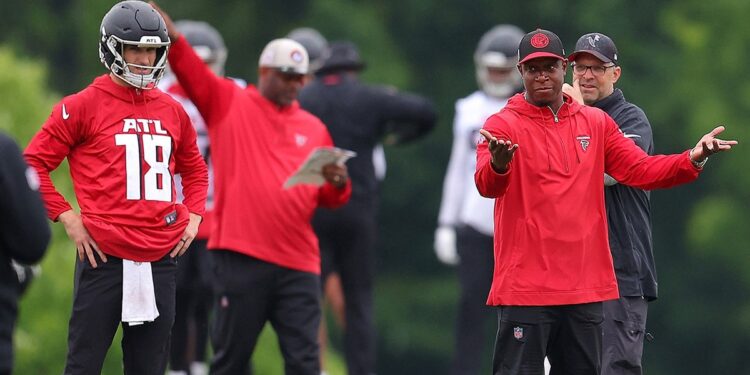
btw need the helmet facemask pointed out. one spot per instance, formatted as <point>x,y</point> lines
<point>122,69</point>
<point>499,87</point>
<point>498,50</point>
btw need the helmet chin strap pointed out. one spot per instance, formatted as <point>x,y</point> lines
<point>141,81</point>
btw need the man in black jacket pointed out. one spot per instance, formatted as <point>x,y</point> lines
<point>358,116</point>
<point>24,235</point>
<point>595,72</point>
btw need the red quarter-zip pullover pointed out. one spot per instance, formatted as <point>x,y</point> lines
<point>551,244</point>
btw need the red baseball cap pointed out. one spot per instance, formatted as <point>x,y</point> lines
<point>540,43</point>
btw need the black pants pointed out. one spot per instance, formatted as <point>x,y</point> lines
<point>194,300</point>
<point>569,335</point>
<point>251,292</point>
<point>347,239</point>
<point>624,330</point>
<point>97,309</point>
<point>474,316</point>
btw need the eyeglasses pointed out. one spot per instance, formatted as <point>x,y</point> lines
<point>596,70</point>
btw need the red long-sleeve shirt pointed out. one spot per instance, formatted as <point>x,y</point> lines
<point>123,146</point>
<point>551,244</point>
<point>255,147</point>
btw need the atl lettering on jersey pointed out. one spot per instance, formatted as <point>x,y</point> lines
<point>140,125</point>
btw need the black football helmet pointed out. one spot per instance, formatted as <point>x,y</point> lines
<point>133,23</point>
<point>498,48</point>
<point>206,41</point>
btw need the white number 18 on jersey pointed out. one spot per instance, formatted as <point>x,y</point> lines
<point>157,182</point>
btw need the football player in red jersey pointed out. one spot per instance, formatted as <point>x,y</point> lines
<point>266,255</point>
<point>124,141</point>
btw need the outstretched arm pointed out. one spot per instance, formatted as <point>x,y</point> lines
<point>709,145</point>
<point>501,151</point>
<point>633,167</point>
<point>210,93</point>
<point>493,164</point>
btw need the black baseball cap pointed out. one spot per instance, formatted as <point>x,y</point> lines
<point>540,43</point>
<point>342,55</point>
<point>597,44</point>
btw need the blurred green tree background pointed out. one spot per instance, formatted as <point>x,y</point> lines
<point>683,63</point>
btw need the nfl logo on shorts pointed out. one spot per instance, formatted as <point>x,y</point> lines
<point>518,333</point>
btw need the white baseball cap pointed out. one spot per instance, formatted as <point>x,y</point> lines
<point>285,55</point>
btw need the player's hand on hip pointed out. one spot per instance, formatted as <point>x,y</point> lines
<point>709,145</point>
<point>187,237</point>
<point>85,245</point>
<point>502,151</point>
<point>335,174</point>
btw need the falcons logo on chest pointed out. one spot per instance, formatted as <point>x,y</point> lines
<point>584,141</point>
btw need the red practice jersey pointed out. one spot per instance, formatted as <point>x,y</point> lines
<point>124,147</point>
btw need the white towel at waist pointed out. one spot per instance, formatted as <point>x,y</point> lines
<point>138,299</point>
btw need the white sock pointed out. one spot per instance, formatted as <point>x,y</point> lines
<point>198,368</point>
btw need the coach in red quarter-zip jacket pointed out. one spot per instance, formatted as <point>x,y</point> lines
<point>552,248</point>
<point>543,159</point>
<point>267,261</point>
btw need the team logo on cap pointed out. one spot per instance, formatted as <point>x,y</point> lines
<point>539,40</point>
<point>297,56</point>
<point>593,40</point>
